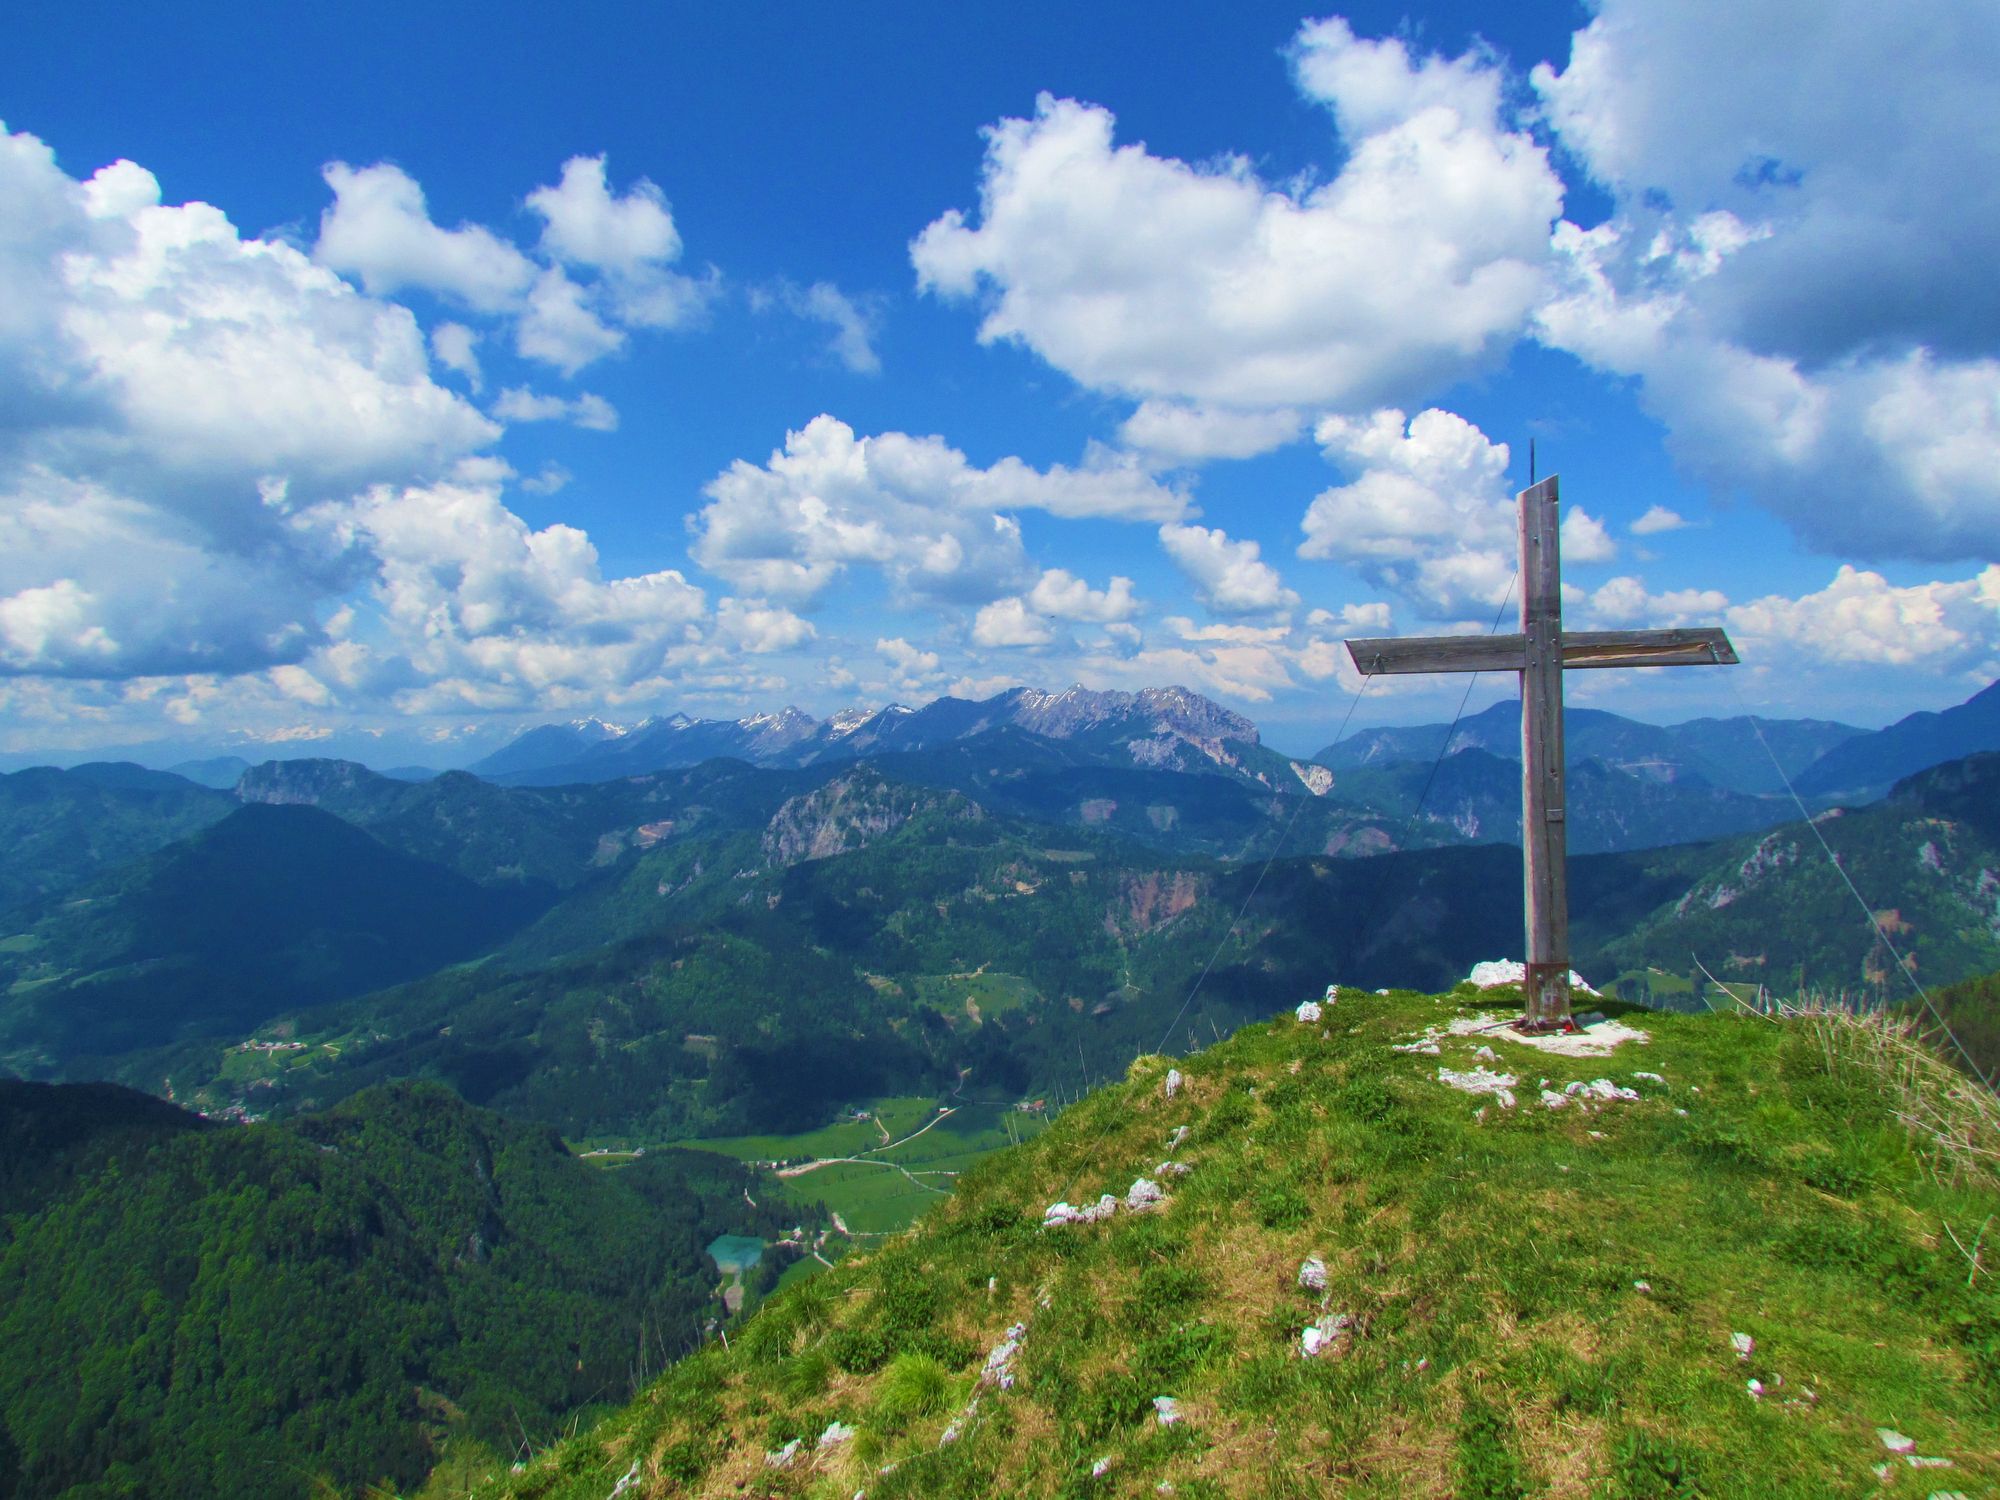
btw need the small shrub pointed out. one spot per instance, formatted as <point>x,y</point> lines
<point>1282,1207</point>
<point>859,1351</point>
<point>1162,1292</point>
<point>1230,1117</point>
<point>1166,1361</point>
<point>1365,1098</point>
<point>1645,1467</point>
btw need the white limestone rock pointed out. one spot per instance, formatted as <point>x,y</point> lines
<point>1323,1337</point>
<point>1498,971</point>
<point>1482,1080</point>
<point>999,1368</point>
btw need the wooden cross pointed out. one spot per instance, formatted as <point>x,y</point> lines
<point>1540,653</point>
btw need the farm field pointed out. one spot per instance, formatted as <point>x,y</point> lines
<point>928,1143</point>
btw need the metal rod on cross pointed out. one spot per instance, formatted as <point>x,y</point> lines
<point>1540,653</point>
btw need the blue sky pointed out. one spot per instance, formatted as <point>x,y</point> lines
<point>378,379</point>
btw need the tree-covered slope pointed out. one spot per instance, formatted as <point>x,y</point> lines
<point>1738,1275</point>
<point>274,906</point>
<point>251,1310</point>
<point>1775,910</point>
<point>58,829</point>
<point>550,837</point>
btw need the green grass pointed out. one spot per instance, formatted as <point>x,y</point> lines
<point>1541,1300</point>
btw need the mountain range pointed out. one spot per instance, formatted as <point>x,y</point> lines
<point>423,989</point>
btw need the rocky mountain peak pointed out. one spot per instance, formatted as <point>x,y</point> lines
<point>301,782</point>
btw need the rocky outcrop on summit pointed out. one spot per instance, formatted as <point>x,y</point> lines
<point>851,813</point>
<point>310,783</point>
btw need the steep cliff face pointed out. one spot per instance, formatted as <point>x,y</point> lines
<point>852,812</point>
<point>313,783</point>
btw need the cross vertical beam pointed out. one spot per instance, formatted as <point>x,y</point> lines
<point>1544,804</point>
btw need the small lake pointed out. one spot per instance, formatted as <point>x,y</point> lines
<point>734,1254</point>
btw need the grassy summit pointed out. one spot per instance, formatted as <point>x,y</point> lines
<point>1517,1301</point>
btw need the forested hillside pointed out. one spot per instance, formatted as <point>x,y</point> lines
<point>255,1310</point>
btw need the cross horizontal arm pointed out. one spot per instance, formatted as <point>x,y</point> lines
<point>1701,647</point>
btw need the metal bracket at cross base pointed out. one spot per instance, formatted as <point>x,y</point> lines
<point>1545,1000</point>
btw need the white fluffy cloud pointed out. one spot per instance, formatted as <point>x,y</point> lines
<point>1227,575</point>
<point>189,410</point>
<point>1624,601</point>
<point>1796,271</point>
<point>1429,513</point>
<point>594,413</point>
<point>1010,622</point>
<point>456,347</point>
<point>937,527</point>
<point>1155,278</point>
<point>1062,595</point>
<point>1861,618</point>
<point>482,610</point>
<point>1057,595</point>
<point>758,627</point>
<point>1180,432</point>
<point>379,229</point>
<point>584,224</point>
<point>1658,518</point>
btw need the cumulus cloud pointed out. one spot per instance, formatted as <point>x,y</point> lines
<point>915,670</point>
<point>232,484</point>
<point>1624,601</point>
<point>629,240</point>
<point>519,404</point>
<point>585,224</point>
<point>937,527</point>
<point>481,610</point>
<point>1861,618</point>
<point>1057,595</point>
<point>758,627</point>
<point>1429,512</point>
<point>1794,272</point>
<point>1010,622</point>
<point>1182,432</point>
<point>1061,595</point>
<point>1658,518</point>
<point>379,229</point>
<point>1156,278</point>
<point>455,347</point>
<point>1227,575</point>
<point>190,409</point>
